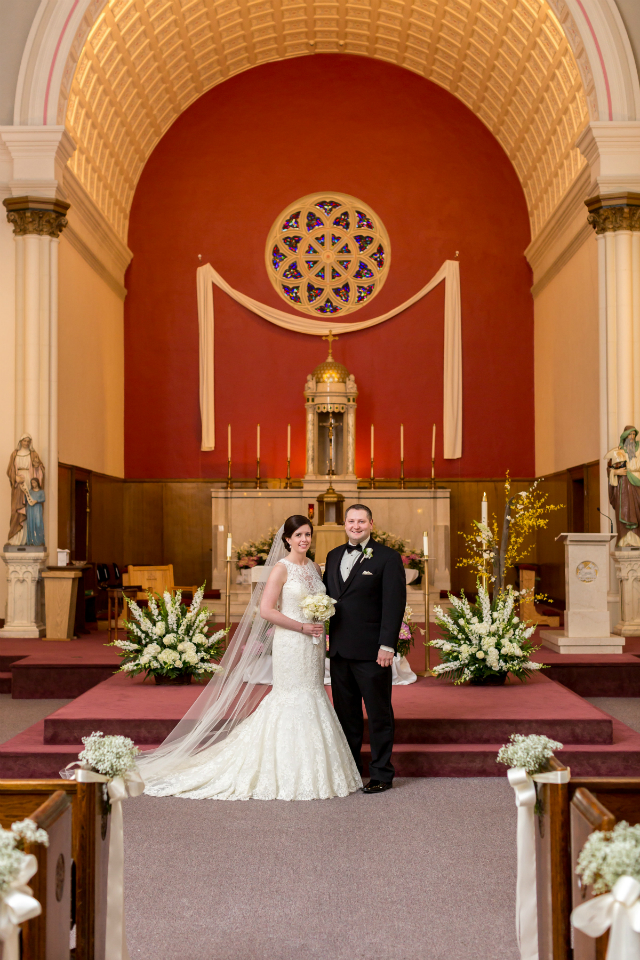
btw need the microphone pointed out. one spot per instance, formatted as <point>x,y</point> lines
<point>607,516</point>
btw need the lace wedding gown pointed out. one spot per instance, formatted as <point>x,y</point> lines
<point>292,746</point>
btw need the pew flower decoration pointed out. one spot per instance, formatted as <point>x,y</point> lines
<point>484,641</point>
<point>17,903</point>
<point>610,862</point>
<point>317,608</point>
<point>168,640</point>
<point>407,632</point>
<point>113,756</point>
<point>531,753</point>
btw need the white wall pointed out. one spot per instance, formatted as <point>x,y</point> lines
<point>91,367</point>
<point>566,365</point>
<point>16,17</point>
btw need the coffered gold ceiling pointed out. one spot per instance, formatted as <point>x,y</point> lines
<point>145,61</point>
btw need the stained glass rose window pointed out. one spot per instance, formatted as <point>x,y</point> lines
<point>328,254</point>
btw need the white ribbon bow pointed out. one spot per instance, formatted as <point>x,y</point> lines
<point>618,910</point>
<point>118,788</point>
<point>526,896</point>
<point>17,904</point>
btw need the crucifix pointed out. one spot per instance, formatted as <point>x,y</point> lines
<point>330,338</point>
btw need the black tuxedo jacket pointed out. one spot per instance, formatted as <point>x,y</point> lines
<point>370,604</point>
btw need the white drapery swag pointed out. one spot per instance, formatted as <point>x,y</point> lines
<point>206,276</point>
<point>526,896</point>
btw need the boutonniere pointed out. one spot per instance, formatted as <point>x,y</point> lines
<point>367,553</point>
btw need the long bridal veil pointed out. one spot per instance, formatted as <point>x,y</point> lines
<point>231,694</point>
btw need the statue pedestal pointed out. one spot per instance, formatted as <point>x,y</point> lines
<point>24,599</point>
<point>628,573</point>
<point>586,621</point>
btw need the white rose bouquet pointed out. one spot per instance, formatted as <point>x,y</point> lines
<point>317,608</point>
<point>169,641</point>
<point>484,641</point>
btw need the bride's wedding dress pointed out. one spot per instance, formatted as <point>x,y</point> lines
<point>292,746</point>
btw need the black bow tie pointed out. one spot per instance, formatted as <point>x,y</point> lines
<point>351,548</point>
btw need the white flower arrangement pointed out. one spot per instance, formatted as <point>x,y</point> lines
<point>112,756</point>
<point>608,855</point>
<point>12,856</point>
<point>529,752</point>
<point>167,639</point>
<point>484,638</point>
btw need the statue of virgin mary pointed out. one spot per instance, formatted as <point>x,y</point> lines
<point>623,466</point>
<point>24,466</point>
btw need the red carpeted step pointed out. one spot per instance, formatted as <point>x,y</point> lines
<point>5,682</point>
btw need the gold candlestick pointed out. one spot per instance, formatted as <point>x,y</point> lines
<point>288,483</point>
<point>372,479</point>
<point>402,474</point>
<point>257,473</point>
<point>433,473</point>
<point>427,672</point>
<point>229,480</point>
<point>227,599</point>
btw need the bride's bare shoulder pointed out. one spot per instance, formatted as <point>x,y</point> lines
<point>278,573</point>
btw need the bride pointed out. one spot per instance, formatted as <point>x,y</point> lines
<point>237,744</point>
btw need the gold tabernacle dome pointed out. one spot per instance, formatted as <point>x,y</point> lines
<point>330,371</point>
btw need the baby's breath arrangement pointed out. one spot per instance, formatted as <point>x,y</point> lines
<point>608,855</point>
<point>254,553</point>
<point>484,638</point>
<point>12,855</point>
<point>529,752</point>
<point>167,639</point>
<point>112,756</point>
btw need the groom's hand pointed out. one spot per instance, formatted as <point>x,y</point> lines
<point>385,657</point>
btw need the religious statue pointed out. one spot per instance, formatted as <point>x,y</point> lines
<point>623,467</point>
<point>25,466</point>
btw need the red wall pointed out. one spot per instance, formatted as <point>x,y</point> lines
<point>214,185</point>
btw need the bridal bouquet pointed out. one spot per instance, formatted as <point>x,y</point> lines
<point>318,607</point>
<point>484,641</point>
<point>169,641</point>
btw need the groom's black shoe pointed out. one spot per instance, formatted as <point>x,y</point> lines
<point>376,786</point>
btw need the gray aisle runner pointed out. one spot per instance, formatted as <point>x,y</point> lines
<point>423,872</point>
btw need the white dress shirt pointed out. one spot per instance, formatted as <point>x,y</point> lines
<point>346,566</point>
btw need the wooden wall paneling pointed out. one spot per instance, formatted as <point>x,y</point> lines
<point>187,531</point>
<point>107,519</point>
<point>64,507</point>
<point>550,552</point>
<point>592,497</point>
<point>143,523</point>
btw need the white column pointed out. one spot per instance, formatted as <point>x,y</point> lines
<point>612,396</point>
<point>51,523</point>
<point>624,327</point>
<point>31,371</point>
<point>635,278</point>
<point>602,350</point>
<point>19,350</point>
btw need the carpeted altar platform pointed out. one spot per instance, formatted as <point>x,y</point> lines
<point>441,730</point>
<point>55,669</point>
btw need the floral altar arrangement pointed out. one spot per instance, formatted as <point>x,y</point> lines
<point>254,553</point>
<point>168,641</point>
<point>319,607</point>
<point>407,632</point>
<point>531,753</point>
<point>482,642</point>
<point>414,559</point>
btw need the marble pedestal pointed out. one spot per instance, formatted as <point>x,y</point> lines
<point>627,564</point>
<point>24,593</point>
<point>586,621</point>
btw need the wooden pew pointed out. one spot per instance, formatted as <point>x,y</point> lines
<point>89,851</point>
<point>47,936</point>
<point>587,814</point>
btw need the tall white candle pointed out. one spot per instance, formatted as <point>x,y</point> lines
<point>288,441</point>
<point>425,543</point>
<point>228,546</point>
<point>485,510</point>
<point>372,441</point>
<point>402,441</point>
<point>258,443</point>
<point>229,441</point>
<point>433,443</point>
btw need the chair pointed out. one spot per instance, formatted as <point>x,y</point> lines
<point>156,578</point>
<point>89,851</point>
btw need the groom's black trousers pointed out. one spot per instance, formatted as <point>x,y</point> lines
<point>353,681</point>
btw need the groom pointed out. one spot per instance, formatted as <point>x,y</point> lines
<point>367,579</point>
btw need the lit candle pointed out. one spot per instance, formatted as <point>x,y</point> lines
<point>425,543</point>
<point>228,546</point>
<point>433,443</point>
<point>402,441</point>
<point>258,442</point>
<point>372,441</point>
<point>229,442</point>
<point>485,510</point>
<point>288,441</point>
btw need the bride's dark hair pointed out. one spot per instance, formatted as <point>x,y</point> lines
<point>292,524</point>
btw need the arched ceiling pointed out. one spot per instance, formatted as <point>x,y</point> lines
<point>145,61</point>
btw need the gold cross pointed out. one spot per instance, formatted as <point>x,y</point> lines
<point>330,338</point>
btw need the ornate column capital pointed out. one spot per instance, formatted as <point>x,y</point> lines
<point>611,212</point>
<point>43,216</point>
